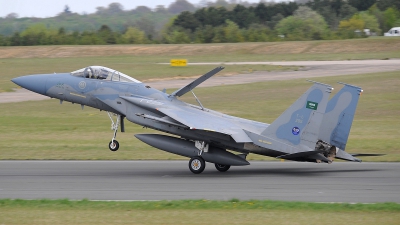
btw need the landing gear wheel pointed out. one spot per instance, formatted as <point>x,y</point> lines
<point>222,168</point>
<point>113,145</point>
<point>197,164</point>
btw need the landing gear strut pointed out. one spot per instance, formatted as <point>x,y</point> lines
<point>197,164</point>
<point>114,145</point>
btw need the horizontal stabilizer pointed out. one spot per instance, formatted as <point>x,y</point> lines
<point>196,82</point>
<point>364,154</point>
<point>301,155</point>
<point>340,154</point>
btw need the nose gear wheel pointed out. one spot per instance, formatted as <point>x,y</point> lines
<point>113,145</point>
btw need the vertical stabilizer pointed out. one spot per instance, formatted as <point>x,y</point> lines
<point>337,121</point>
<point>300,123</point>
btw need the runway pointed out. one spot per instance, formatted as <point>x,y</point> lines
<point>169,180</point>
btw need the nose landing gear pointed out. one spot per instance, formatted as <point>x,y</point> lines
<point>114,145</point>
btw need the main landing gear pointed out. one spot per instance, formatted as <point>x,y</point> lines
<point>114,145</point>
<point>222,168</point>
<point>197,165</point>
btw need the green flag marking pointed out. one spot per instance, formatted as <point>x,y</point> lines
<point>312,105</point>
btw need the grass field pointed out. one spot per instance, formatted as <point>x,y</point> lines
<point>194,212</point>
<point>139,61</point>
<point>48,130</point>
<point>366,48</point>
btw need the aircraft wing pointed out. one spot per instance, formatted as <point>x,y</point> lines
<point>197,119</point>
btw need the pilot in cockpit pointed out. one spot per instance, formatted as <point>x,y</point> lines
<point>88,73</point>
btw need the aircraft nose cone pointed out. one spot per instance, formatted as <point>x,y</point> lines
<point>35,83</point>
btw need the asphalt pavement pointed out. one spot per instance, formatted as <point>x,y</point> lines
<point>171,180</point>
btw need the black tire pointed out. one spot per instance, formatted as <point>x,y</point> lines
<point>197,164</point>
<point>222,168</point>
<point>113,146</point>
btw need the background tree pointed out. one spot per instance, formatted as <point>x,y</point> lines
<point>177,36</point>
<point>181,5</point>
<point>15,39</point>
<point>348,27</point>
<point>212,16</point>
<point>221,3</point>
<point>227,22</point>
<point>35,35</point>
<point>101,10</point>
<point>292,28</point>
<point>232,32</point>
<point>12,16</point>
<point>275,20</point>
<point>106,34</point>
<point>142,9</point>
<point>115,8</point>
<point>161,9</point>
<point>67,10</point>
<point>375,11</point>
<point>370,22</point>
<point>384,4</point>
<point>332,10</point>
<point>391,16</point>
<point>147,25</point>
<point>258,33</point>
<point>362,5</point>
<point>242,16</point>
<point>187,20</point>
<point>134,36</point>
<point>204,34</point>
<point>265,13</point>
<point>305,24</point>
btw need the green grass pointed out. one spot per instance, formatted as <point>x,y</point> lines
<point>194,212</point>
<point>47,130</point>
<point>198,204</point>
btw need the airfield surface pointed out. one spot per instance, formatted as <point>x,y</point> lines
<point>310,69</point>
<point>170,180</point>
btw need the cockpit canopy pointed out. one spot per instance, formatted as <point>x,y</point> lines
<point>103,73</point>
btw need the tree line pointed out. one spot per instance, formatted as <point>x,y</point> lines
<point>299,20</point>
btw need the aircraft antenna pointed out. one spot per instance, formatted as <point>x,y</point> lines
<point>198,101</point>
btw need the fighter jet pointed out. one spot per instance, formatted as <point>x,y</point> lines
<point>312,129</point>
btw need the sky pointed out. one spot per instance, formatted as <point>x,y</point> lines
<point>50,8</point>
